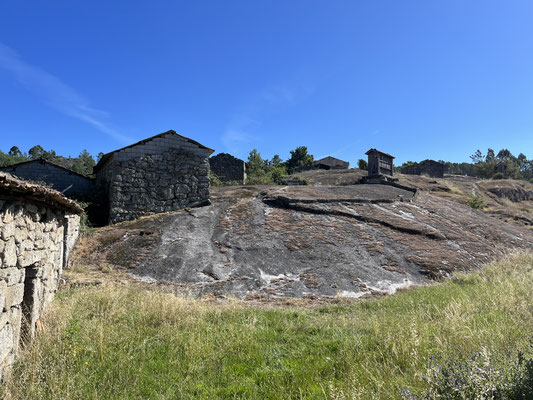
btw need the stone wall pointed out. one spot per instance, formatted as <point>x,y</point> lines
<point>70,183</point>
<point>431,168</point>
<point>228,168</point>
<point>35,241</point>
<point>163,174</point>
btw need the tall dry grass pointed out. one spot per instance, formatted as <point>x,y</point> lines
<point>118,342</point>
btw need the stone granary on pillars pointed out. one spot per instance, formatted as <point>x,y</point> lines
<point>431,168</point>
<point>38,229</point>
<point>330,163</point>
<point>165,172</point>
<point>228,168</point>
<point>379,163</point>
<point>68,182</point>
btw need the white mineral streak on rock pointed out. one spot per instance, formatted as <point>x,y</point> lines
<point>269,278</point>
<point>388,287</point>
<point>352,295</point>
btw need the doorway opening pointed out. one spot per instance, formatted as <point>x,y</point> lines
<point>27,328</point>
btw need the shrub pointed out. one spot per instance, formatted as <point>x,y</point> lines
<point>215,181</point>
<point>476,201</point>
<point>278,173</point>
<point>498,175</point>
<point>85,225</point>
<point>295,180</point>
<point>478,375</point>
<point>362,164</point>
<point>264,179</point>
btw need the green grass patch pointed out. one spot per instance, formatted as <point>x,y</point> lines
<point>117,342</point>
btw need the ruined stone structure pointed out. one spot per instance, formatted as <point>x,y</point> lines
<point>379,163</point>
<point>163,173</point>
<point>38,229</point>
<point>330,163</point>
<point>431,168</point>
<point>228,168</point>
<point>68,182</point>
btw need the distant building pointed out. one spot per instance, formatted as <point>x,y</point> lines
<point>379,163</point>
<point>165,172</point>
<point>64,180</point>
<point>330,163</point>
<point>228,168</point>
<point>431,168</point>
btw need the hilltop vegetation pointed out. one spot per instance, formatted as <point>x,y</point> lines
<point>83,164</point>
<point>131,342</point>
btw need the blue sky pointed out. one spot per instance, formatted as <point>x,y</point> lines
<point>418,79</point>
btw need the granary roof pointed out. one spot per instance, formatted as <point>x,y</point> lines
<point>44,161</point>
<point>106,156</point>
<point>329,158</point>
<point>33,192</point>
<point>377,151</point>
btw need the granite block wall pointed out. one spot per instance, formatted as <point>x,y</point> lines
<point>35,241</point>
<point>228,168</point>
<point>164,174</point>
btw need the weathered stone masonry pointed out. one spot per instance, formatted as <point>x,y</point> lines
<point>38,229</point>
<point>228,168</point>
<point>163,173</point>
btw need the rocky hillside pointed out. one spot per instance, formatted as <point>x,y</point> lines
<point>508,200</point>
<point>335,241</point>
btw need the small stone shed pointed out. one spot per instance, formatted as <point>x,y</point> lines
<point>165,172</point>
<point>228,168</point>
<point>68,182</point>
<point>379,163</point>
<point>330,163</point>
<point>38,229</point>
<point>431,168</point>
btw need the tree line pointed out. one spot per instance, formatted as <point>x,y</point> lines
<point>492,165</point>
<point>261,171</point>
<point>83,164</point>
<point>501,165</point>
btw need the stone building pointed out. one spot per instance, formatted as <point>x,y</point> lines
<point>68,182</point>
<point>228,168</point>
<point>330,163</point>
<point>38,229</point>
<point>431,168</point>
<point>162,173</point>
<point>379,163</point>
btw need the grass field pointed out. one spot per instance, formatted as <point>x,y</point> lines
<point>120,342</point>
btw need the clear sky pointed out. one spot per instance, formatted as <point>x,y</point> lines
<point>418,79</point>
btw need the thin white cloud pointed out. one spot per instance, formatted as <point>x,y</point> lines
<point>239,131</point>
<point>55,93</point>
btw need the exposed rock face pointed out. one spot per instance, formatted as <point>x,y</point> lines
<point>38,229</point>
<point>348,241</point>
<point>516,194</point>
<point>228,168</point>
<point>163,173</point>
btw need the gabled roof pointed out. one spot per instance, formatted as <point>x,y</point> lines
<point>45,161</point>
<point>226,155</point>
<point>106,156</point>
<point>330,158</point>
<point>379,152</point>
